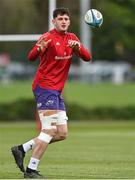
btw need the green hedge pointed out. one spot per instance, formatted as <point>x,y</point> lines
<point>25,109</point>
<point>18,110</point>
<point>101,113</point>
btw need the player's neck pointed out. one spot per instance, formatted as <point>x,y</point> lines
<point>61,32</point>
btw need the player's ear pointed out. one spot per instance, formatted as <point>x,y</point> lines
<point>53,21</point>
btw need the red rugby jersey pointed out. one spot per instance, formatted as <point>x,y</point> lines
<point>55,61</point>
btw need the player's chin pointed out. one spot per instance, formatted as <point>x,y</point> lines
<point>64,29</point>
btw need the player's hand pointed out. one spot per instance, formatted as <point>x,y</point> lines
<point>43,44</point>
<point>75,45</point>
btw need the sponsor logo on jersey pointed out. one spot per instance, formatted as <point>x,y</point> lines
<point>63,57</point>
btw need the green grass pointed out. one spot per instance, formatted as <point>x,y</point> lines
<point>15,90</point>
<point>96,95</point>
<point>87,95</point>
<point>94,150</point>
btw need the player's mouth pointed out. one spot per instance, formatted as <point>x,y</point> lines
<point>63,26</point>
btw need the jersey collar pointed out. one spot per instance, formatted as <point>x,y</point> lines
<point>57,32</point>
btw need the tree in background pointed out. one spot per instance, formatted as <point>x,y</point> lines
<point>113,41</point>
<point>17,17</point>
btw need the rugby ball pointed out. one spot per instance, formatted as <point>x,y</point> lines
<point>93,18</point>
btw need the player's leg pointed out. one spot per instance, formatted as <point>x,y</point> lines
<point>48,120</point>
<point>43,98</point>
<point>20,151</point>
<point>47,109</point>
<point>62,128</point>
<point>39,144</point>
<point>49,129</point>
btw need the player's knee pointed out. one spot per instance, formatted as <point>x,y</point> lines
<point>49,128</point>
<point>62,132</point>
<point>51,132</point>
<point>62,125</point>
<point>63,135</point>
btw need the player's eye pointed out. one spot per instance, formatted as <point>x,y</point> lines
<point>66,19</point>
<point>60,19</point>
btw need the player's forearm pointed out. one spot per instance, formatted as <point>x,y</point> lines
<point>34,53</point>
<point>84,54</point>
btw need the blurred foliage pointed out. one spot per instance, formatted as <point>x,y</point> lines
<point>113,41</point>
<point>24,109</point>
<point>18,16</point>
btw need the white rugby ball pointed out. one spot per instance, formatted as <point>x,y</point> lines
<point>94,18</point>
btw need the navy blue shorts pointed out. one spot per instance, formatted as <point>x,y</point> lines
<point>49,99</point>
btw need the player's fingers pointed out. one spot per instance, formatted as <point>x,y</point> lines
<point>77,44</point>
<point>71,43</point>
<point>47,42</point>
<point>74,43</point>
<point>41,40</point>
<point>43,43</point>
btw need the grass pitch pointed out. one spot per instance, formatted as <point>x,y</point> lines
<point>93,150</point>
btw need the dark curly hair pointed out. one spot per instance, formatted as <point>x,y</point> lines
<point>60,11</point>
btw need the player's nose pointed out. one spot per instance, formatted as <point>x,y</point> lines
<point>64,20</point>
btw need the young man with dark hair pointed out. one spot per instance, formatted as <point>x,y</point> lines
<point>54,50</point>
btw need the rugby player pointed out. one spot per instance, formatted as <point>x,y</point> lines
<point>54,50</point>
